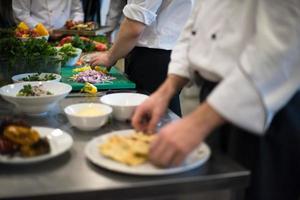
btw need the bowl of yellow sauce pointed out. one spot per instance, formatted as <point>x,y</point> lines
<point>88,116</point>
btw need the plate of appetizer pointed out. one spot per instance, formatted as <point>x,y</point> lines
<point>21,143</point>
<point>126,151</point>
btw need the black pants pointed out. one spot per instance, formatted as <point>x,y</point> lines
<point>274,159</point>
<point>148,69</point>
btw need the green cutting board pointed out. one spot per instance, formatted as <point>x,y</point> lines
<point>121,82</point>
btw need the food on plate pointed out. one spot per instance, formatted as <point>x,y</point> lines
<point>132,149</point>
<point>89,88</point>
<point>23,31</point>
<point>18,138</point>
<point>36,90</point>
<point>92,76</point>
<point>84,43</point>
<point>88,26</point>
<point>39,77</point>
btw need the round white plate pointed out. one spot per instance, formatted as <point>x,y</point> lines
<point>197,158</point>
<point>59,140</point>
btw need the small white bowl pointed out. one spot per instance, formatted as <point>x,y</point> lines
<point>35,105</point>
<point>88,116</point>
<point>123,104</point>
<point>19,78</point>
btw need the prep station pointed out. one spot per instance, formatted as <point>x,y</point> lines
<point>72,176</point>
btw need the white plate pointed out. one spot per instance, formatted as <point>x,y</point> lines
<point>59,140</point>
<point>197,158</point>
<point>19,78</point>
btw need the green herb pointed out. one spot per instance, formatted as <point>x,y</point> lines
<point>67,51</point>
<point>36,90</point>
<point>26,91</point>
<point>86,46</point>
<point>29,52</point>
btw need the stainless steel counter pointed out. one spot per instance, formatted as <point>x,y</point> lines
<point>72,176</point>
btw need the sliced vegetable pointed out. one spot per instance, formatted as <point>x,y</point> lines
<point>89,88</point>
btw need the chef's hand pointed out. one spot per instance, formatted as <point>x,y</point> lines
<point>148,114</point>
<point>176,140</point>
<point>102,59</point>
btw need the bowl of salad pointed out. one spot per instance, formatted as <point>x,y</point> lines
<point>70,55</point>
<point>35,98</point>
<point>50,77</point>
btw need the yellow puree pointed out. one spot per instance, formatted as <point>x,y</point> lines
<point>89,112</point>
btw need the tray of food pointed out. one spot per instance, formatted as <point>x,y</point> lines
<point>81,28</point>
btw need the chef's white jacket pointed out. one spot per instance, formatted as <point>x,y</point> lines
<point>164,20</point>
<point>252,47</point>
<point>52,13</point>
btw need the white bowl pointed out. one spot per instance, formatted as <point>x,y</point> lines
<point>35,105</point>
<point>123,104</point>
<point>19,78</point>
<point>88,116</point>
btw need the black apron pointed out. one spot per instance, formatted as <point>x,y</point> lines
<point>274,159</point>
<point>148,68</point>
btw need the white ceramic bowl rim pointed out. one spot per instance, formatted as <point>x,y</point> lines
<point>19,77</point>
<point>105,99</point>
<point>108,109</point>
<point>67,87</point>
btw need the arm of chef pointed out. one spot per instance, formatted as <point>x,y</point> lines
<point>77,11</point>
<point>269,70</point>
<point>22,12</point>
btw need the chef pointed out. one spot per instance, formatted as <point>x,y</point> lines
<point>52,13</point>
<point>147,35</point>
<point>247,53</point>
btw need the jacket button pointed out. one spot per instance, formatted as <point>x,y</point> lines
<point>214,36</point>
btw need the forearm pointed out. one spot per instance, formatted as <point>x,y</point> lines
<point>171,86</point>
<point>127,38</point>
<point>206,118</point>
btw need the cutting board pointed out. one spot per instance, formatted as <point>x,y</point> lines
<point>121,82</point>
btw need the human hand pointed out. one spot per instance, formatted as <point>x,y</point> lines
<point>148,114</point>
<point>102,59</point>
<point>176,140</point>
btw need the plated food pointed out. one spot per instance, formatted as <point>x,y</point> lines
<point>131,149</point>
<point>24,32</point>
<point>17,138</point>
<point>92,151</point>
<point>36,90</point>
<point>33,101</point>
<point>28,77</point>
<point>88,26</point>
